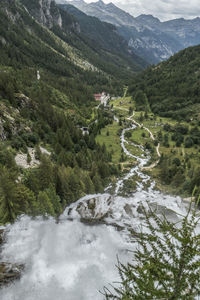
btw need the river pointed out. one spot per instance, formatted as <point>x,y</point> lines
<point>73,259</point>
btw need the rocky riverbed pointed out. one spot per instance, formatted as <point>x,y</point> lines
<point>8,271</point>
<point>76,257</point>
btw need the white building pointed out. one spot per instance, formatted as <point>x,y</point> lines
<point>104,98</point>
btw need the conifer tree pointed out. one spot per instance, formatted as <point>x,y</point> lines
<point>165,263</point>
<point>46,207</point>
<point>25,200</point>
<point>55,199</point>
<point>46,172</point>
<point>28,158</point>
<point>8,209</point>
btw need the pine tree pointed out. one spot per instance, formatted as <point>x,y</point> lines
<point>46,207</point>
<point>55,199</point>
<point>166,262</point>
<point>24,200</point>
<point>38,152</point>
<point>28,158</point>
<point>63,189</point>
<point>46,172</point>
<point>8,207</point>
<point>97,183</point>
<point>89,187</point>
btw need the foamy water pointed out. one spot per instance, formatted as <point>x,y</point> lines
<point>63,261</point>
<point>74,261</point>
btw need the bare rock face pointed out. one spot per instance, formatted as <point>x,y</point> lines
<point>45,12</point>
<point>91,211</point>
<point>9,272</point>
<point>2,132</point>
<point>22,100</point>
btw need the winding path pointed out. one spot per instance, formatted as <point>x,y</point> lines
<point>153,165</point>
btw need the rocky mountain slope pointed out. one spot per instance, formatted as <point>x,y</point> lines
<point>104,35</point>
<point>60,37</point>
<point>147,36</point>
<point>48,74</point>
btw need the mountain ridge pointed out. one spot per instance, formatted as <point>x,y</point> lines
<point>172,87</point>
<point>150,38</point>
<point>48,75</point>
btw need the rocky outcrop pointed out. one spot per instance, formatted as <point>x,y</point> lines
<point>89,210</point>
<point>9,272</point>
<point>45,12</point>
<point>146,35</point>
<point>2,132</point>
<point>22,100</point>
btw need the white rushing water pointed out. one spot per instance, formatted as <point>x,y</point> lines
<point>72,260</point>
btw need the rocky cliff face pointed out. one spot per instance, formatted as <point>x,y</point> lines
<point>147,36</point>
<point>45,12</point>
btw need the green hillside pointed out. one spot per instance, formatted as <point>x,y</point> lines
<point>46,161</point>
<point>172,87</point>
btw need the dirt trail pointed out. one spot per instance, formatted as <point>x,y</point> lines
<point>153,165</point>
<point>147,129</point>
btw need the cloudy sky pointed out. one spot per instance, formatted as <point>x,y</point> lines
<point>163,9</point>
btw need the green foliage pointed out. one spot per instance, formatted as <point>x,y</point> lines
<point>45,204</point>
<point>172,87</point>
<point>50,111</point>
<point>8,207</point>
<point>165,263</point>
<point>28,158</point>
<point>103,35</point>
<point>141,101</point>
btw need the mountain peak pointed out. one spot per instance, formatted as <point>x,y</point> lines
<point>110,4</point>
<point>148,19</point>
<point>99,3</point>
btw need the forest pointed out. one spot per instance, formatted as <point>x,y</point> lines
<point>172,87</point>
<point>50,112</point>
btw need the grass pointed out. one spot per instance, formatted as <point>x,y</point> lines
<point>134,150</point>
<point>138,138</point>
<point>123,103</point>
<point>155,124</point>
<point>111,141</point>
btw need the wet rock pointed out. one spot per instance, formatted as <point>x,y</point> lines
<point>128,210</point>
<point>92,204</point>
<point>88,210</point>
<point>140,209</point>
<point>9,272</point>
<point>170,214</point>
<point>1,236</point>
<point>92,222</point>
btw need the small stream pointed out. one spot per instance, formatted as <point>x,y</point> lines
<point>76,257</point>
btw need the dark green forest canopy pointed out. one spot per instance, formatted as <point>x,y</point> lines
<point>173,87</point>
<point>49,112</point>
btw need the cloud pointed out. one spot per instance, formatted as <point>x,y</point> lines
<point>163,9</point>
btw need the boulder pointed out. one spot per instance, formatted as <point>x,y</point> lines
<point>9,272</point>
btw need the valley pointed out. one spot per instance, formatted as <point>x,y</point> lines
<point>99,151</point>
<point>147,36</point>
<point>168,157</point>
<point>76,254</point>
